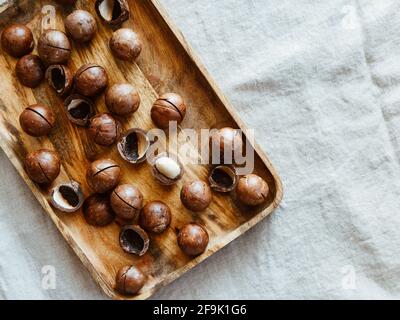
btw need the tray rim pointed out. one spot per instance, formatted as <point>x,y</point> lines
<point>223,241</point>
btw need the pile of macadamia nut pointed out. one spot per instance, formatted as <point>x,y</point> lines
<point>111,199</point>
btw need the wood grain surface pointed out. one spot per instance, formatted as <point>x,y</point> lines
<point>167,64</point>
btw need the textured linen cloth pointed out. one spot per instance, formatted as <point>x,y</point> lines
<point>319,81</point>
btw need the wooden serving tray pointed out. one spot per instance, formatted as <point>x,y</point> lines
<point>167,64</point>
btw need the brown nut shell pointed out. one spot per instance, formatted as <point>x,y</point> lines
<point>222,178</point>
<point>196,195</point>
<point>122,99</point>
<point>79,109</point>
<point>81,26</point>
<point>30,70</point>
<point>167,169</point>
<point>37,120</point>
<point>193,239</point>
<point>60,78</point>
<point>169,107</point>
<point>133,146</point>
<point>133,239</point>
<point>112,12</point>
<point>54,47</point>
<point>155,217</point>
<point>252,190</point>
<point>97,210</point>
<point>104,129</point>
<point>226,140</point>
<point>126,201</point>
<point>103,175</point>
<point>125,44</point>
<point>67,197</point>
<point>17,40</point>
<point>129,280</point>
<point>42,166</point>
<point>91,80</point>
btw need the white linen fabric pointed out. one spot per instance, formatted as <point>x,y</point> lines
<point>319,81</point>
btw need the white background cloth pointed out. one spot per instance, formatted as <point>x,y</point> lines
<point>319,81</point>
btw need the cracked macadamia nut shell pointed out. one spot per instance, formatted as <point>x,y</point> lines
<point>122,99</point>
<point>30,70</point>
<point>133,239</point>
<point>103,175</point>
<point>37,120</point>
<point>17,40</point>
<point>129,280</point>
<point>133,145</point>
<point>79,109</point>
<point>193,239</point>
<point>169,107</point>
<point>42,166</point>
<point>97,210</point>
<point>155,217</point>
<point>54,47</point>
<point>222,178</point>
<point>112,12</point>
<point>252,190</point>
<point>104,129</point>
<point>126,201</point>
<point>60,78</point>
<point>196,195</point>
<point>125,44</point>
<point>81,26</point>
<point>91,80</point>
<point>67,197</point>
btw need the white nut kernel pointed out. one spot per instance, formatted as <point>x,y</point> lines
<point>168,167</point>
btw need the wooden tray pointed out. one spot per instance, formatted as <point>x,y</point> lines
<point>166,64</point>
